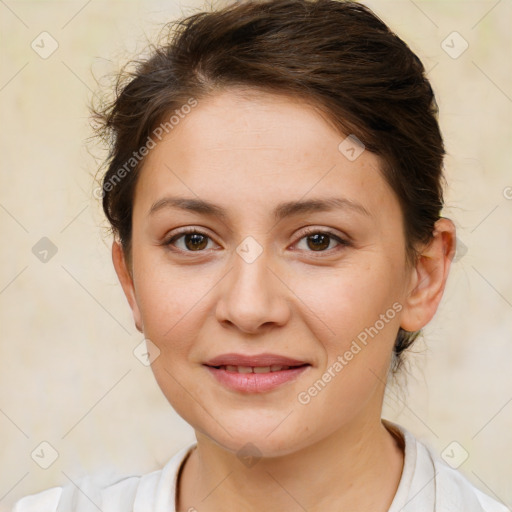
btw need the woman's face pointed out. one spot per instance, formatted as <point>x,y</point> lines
<point>322,283</point>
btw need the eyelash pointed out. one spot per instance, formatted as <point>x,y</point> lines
<point>310,231</point>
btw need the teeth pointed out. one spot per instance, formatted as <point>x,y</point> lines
<point>254,369</point>
<point>261,369</point>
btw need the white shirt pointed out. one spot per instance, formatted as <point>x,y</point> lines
<point>427,484</point>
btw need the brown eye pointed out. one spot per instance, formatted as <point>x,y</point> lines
<point>318,241</point>
<point>193,241</point>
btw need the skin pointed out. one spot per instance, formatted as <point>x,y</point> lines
<point>247,152</point>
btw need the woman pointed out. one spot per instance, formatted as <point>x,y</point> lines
<point>274,188</point>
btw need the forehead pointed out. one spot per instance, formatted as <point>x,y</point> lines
<point>230,125</point>
<point>246,149</point>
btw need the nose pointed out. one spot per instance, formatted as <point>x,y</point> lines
<point>253,298</point>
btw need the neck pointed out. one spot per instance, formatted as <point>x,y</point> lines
<point>356,468</point>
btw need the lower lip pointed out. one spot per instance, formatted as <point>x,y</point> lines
<point>255,382</point>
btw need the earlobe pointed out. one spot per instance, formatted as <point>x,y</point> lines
<point>429,276</point>
<point>125,278</point>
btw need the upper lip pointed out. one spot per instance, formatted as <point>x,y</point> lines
<point>261,360</point>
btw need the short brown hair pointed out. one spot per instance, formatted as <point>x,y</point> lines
<point>335,55</point>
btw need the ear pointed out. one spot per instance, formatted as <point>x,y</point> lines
<point>429,277</point>
<point>125,278</point>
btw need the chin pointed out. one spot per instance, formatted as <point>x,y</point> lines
<point>257,439</point>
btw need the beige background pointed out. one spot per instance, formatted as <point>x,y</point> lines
<point>68,375</point>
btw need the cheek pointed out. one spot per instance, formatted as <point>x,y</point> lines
<point>165,297</point>
<point>355,322</point>
<point>175,302</point>
<point>345,301</point>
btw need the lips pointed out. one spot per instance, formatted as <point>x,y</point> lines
<point>255,374</point>
<point>255,361</point>
<point>253,369</point>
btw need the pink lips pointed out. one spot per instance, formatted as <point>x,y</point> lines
<point>255,382</point>
<point>256,360</point>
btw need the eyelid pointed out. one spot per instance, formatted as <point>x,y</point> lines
<point>311,230</point>
<point>342,240</point>
<point>185,231</point>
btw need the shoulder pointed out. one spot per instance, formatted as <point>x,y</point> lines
<point>428,483</point>
<point>44,501</point>
<point>109,492</point>
<point>451,490</point>
<point>82,495</point>
<point>454,491</point>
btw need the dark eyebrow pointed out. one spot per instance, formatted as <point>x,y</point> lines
<point>290,208</point>
<point>282,210</point>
